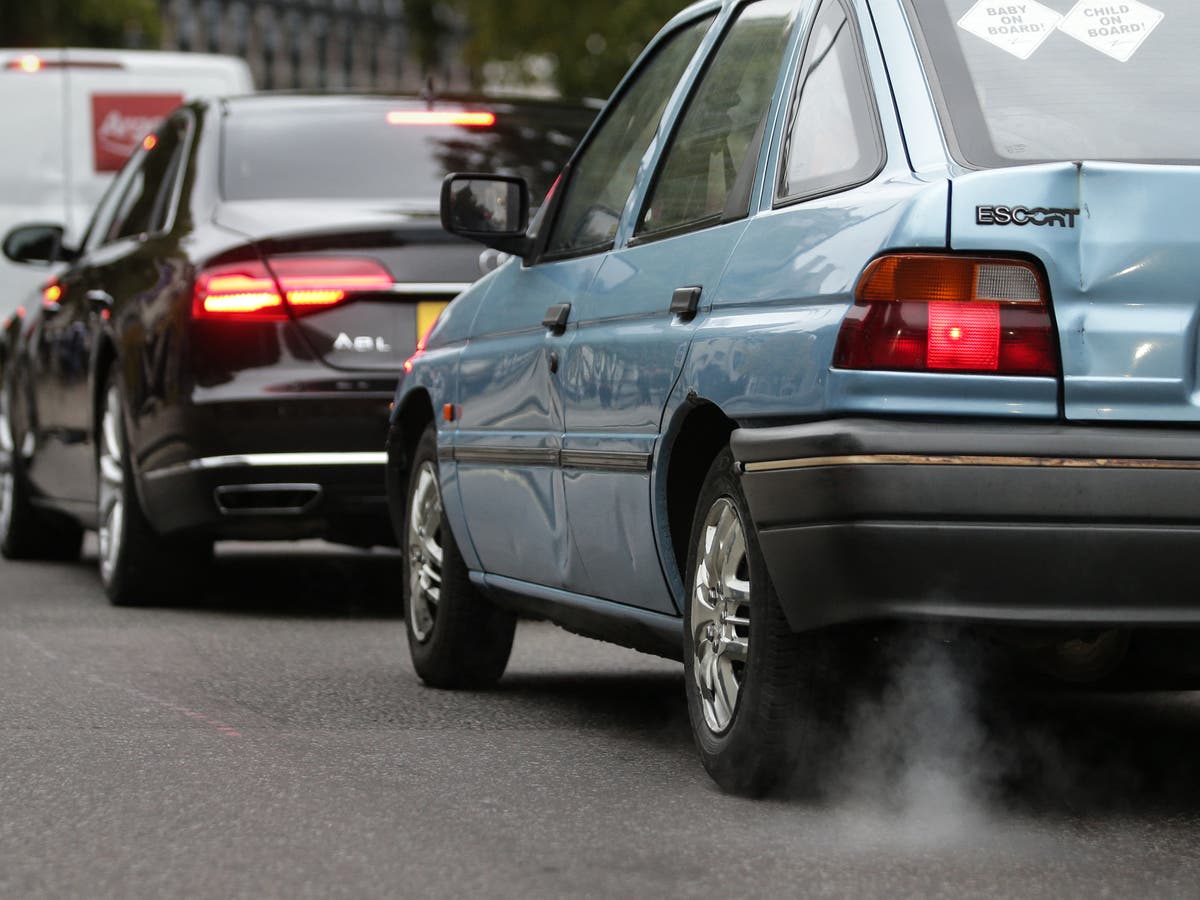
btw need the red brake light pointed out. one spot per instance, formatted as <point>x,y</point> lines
<point>442,117</point>
<point>253,292</point>
<point>51,293</point>
<point>28,63</point>
<point>314,283</point>
<point>931,313</point>
<point>244,291</point>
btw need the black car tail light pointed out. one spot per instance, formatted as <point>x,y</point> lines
<point>253,292</point>
<point>940,313</point>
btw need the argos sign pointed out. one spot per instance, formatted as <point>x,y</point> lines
<point>120,121</point>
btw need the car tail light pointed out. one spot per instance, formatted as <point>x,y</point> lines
<point>52,293</point>
<point>252,291</point>
<point>938,313</point>
<point>466,118</point>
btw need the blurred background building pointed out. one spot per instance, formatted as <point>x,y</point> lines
<point>336,44</point>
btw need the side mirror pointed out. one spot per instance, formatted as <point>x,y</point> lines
<point>491,209</point>
<point>37,244</point>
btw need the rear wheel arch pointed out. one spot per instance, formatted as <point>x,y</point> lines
<point>105,359</point>
<point>409,423</point>
<point>698,434</point>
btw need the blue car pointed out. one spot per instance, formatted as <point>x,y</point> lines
<point>845,312</point>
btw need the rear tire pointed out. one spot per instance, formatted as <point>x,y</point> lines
<point>25,532</point>
<point>456,637</point>
<point>137,566</point>
<point>754,687</point>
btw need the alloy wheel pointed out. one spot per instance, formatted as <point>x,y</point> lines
<point>424,553</point>
<point>720,614</point>
<point>112,485</point>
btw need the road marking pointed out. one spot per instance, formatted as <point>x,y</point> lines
<point>217,724</point>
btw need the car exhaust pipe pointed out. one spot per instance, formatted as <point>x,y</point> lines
<point>266,499</point>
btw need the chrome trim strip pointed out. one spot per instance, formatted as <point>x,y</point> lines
<point>605,461</point>
<point>440,288</point>
<point>227,490</point>
<point>910,459</point>
<point>259,460</point>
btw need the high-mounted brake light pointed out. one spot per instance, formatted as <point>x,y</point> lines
<point>31,63</point>
<point>251,291</point>
<point>940,313</point>
<point>28,63</point>
<point>441,117</point>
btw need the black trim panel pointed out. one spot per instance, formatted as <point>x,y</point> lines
<point>590,460</point>
<point>628,626</point>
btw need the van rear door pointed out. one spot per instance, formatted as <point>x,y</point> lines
<point>31,164</point>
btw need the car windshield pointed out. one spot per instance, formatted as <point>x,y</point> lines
<point>1028,81</point>
<point>382,151</point>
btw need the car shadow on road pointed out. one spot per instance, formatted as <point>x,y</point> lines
<point>649,703</point>
<point>311,581</point>
<point>1128,752</point>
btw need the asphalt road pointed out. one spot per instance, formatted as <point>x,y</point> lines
<point>273,741</point>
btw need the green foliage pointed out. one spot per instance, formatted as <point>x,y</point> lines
<point>79,23</point>
<point>592,43</point>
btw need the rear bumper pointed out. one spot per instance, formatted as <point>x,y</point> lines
<point>981,521</point>
<point>272,496</point>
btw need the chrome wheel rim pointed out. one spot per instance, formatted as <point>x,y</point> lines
<point>7,483</point>
<point>112,485</point>
<point>720,608</point>
<point>424,553</point>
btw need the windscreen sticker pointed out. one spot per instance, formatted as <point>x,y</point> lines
<point>1116,29</point>
<point>1016,28</point>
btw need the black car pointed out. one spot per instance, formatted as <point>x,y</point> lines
<point>216,358</point>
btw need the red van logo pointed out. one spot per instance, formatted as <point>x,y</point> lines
<point>120,121</point>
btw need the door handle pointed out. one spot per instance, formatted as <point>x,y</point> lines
<point>98,301</point>
<point>556,318</point>
<point>685,301</point>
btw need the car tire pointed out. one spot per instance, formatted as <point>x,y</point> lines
<point>26,532</point>
<point>754,687</point>
<point>456,637</point>
<point>137,566</point>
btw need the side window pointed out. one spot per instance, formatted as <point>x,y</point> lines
<point>833,140</point>
<point>98,228</point>
<point>603,175</point>
<point>709,168</point>
<point>148,195</point>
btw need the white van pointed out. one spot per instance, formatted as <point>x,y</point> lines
<point>71,119</point>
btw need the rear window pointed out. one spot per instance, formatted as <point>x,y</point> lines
<point>327,152</point>
<point>1026,81</point>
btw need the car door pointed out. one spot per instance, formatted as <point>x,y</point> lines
<point>124,257</point>
<point>508,443</point>
<point>635,323</point>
